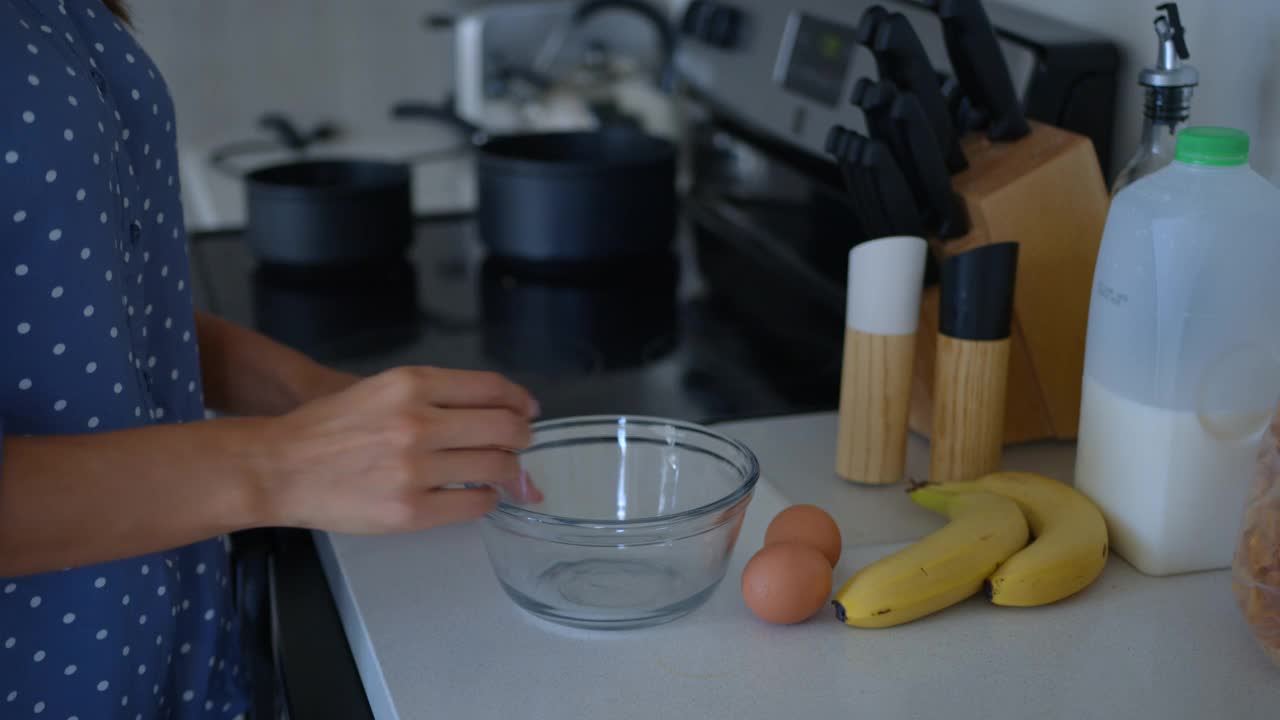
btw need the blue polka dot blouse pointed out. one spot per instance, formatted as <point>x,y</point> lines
<point>97,334</point>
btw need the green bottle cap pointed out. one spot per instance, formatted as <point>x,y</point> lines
<point>1220,146</point>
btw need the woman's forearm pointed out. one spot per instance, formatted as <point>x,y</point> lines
<point>79,499</point>
<point>386,454</point>
<point>73,500</point>
<point>246,373</point>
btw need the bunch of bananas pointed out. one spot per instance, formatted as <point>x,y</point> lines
<point>984,546</point>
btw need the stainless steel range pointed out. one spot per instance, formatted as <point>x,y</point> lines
<point>786,70</point>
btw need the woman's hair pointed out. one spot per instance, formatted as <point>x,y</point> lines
<point>118,8</point>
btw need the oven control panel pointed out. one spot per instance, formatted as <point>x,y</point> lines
<point>814,58</point>
<point>788,71</point>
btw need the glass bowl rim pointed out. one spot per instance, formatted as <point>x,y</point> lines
<point>744,489</point>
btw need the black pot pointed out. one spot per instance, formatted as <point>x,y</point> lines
<point>577,196</point>
<point>328,212</point>
<point>569,197</point>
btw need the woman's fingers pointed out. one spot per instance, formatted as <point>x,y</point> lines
<point>494,468</point>
<point>472,467</point>
<point>525,490</point>
<point>433,508</point>
<point>478,429</point>
<point>472,389</point>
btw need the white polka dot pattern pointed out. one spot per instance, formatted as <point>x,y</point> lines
<point>90,213</point>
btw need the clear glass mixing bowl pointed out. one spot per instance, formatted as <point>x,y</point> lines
<point>639,519</point>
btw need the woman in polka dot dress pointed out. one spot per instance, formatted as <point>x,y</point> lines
<point>116,494</point>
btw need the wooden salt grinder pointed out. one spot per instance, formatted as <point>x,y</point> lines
<point>883,310</point>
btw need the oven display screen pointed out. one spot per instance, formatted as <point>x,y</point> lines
<point>815,59</point>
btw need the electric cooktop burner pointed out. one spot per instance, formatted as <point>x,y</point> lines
<point>644,337</point>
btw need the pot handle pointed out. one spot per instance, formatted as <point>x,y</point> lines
<point>287,137</point>
<point>441,113</point>
<point>438,21</point>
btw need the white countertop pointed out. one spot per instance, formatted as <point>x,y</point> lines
<point>434,636</point>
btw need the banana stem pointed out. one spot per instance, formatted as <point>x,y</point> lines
<point>933,498</point>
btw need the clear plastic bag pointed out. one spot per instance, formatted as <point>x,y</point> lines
<point>1256,568</point>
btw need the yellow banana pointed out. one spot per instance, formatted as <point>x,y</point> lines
<point>1070,546</point>
<point>941,569</point>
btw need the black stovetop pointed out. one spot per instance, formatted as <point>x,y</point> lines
<point>644,337</point>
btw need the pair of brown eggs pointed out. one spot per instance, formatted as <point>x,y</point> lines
<point>789,579</point>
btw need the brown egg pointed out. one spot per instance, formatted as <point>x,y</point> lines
<point>809,525</point>
<point>786,583</point>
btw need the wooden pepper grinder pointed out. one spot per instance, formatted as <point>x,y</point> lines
<point>885,282</point>
<point>972,362</point>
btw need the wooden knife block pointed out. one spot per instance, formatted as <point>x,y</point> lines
<point>1045,192</point>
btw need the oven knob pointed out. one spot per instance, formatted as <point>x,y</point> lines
<point>695,16</point>
<point>722,27</point>
<point>713,23</point>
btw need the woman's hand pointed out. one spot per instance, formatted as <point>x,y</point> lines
<point>310,380</point>
<point>392,452</point>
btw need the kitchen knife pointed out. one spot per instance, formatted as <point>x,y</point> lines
<point>901,202</point>
<point>865,32</point>
<point>964,114</point>
<point>923,165</point>
<point>980,67</point>
<point>902,59</point>
<point>875,100</point>
<point>862,192</point>
<point>883,154</point>
<point>891,189</point>
<point>847,146</point>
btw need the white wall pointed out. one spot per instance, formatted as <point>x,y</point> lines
<point>1235,44</point>
<point>229,60</point>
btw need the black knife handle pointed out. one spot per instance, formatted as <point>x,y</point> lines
<point>847,147</point>
<point>865,32</point>
<point>840,144</point>
<point>875,99</point>
<point>923,164</point>
<point>902,59</point>
<point>867,205</point>
<point>964,114</point>
<point>980,66</point>
<point>896,202</point>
